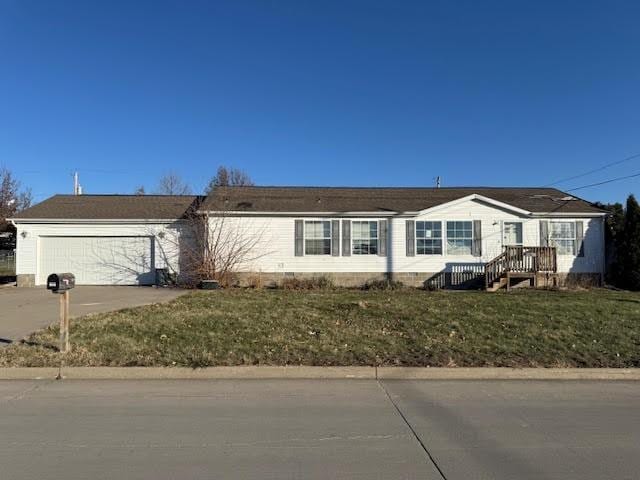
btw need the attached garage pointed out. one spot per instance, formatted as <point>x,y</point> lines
<point>101,239</point>
<point>98,260</point>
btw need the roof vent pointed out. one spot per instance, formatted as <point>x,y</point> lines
<point>568,198</point>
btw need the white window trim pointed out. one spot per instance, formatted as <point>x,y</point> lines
<point>377,222</point>
<point>442,238</point>
<point>304,237</point>
<point>445,235</point>
<point>550,240</point>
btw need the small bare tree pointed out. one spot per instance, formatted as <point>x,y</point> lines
<point>13,198</point>
<point>222,245</point>
<point>229,177</point>
<point>173,184</point>
<point>211,247</point>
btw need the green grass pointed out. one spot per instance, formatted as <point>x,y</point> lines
<point>7,267</point>
<point>596,328</point>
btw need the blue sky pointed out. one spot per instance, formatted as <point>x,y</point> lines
<point>320,93</point>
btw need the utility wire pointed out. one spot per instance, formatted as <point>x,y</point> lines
<point>604,182</point>
<point>595,170</point>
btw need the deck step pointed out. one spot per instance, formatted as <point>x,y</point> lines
<point>497,285</point>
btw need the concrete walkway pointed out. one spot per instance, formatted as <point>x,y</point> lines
<point>24,310</point>
<point>319,429</point>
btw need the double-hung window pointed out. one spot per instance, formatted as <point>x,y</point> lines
<point>562,235</point>
<point>317,237</point>
<point>459,238</point>
<point>429,238</point>
<point>364,237</point>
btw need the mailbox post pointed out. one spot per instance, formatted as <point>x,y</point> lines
<point>61,283</point>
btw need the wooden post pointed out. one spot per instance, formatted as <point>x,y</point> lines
<point>67,346</point>
<point>64,322</point>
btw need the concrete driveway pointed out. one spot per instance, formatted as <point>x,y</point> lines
<point>24,310</point>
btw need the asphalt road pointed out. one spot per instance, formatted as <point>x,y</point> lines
<point>24,310</point>
<point>324,429</point>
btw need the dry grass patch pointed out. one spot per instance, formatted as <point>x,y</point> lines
<point>596,328</point>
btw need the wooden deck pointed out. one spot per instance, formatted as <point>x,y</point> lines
<point>519,262</point>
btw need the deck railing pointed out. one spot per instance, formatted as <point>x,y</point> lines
<point>521,259</point>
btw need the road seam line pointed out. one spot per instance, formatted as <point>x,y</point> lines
<point>415,434</point>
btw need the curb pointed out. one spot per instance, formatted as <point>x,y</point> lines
<point>303,372</point>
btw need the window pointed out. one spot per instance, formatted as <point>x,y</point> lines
<point>364,237</point>
<point>562,235</point>
<point>429,238</point>
<point>317,237</point>
<point>512,233</point>
<point>459,238</point>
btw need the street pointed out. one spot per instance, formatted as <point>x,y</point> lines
<point>329,429</point>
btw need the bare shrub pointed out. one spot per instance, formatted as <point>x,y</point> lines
<point>383,285</point>
<point>313,283</point>
<point>255,281</point>
<point>210,248</point>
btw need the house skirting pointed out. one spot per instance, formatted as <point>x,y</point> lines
<point>464,280</point>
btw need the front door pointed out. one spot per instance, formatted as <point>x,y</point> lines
<point>512,234</point>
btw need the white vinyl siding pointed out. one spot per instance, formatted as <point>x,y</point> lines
<point>428,238</point>
<point>317,237</point>
<point>364,238</point>
<point>276,251</point>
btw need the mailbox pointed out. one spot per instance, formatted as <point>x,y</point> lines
<point>61,282</point>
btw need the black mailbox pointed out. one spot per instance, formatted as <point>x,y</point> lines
<point>61,282</point>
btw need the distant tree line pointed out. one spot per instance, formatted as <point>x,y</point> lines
<point>622,237</point>
<point>172,183</point>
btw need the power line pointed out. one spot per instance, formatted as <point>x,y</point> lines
<point>604,182</point>
<point>595,170</point>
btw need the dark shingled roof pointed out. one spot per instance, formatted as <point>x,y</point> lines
<point>293,199</point>
<point>343,199</point>
<point>110,207</point>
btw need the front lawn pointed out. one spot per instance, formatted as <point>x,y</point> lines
<point>597,328</point>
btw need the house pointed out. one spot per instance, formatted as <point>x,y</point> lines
<point>448,236</point>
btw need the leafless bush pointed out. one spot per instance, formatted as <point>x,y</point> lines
<point>212,248</point>
<point>383,285</point>
<point>255,281</point>
<point>313,283</point>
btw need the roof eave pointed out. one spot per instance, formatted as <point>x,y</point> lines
<point>92,220</point>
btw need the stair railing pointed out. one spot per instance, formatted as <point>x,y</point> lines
<point>521,259</point>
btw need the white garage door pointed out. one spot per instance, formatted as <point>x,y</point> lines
<point>98,260</point>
